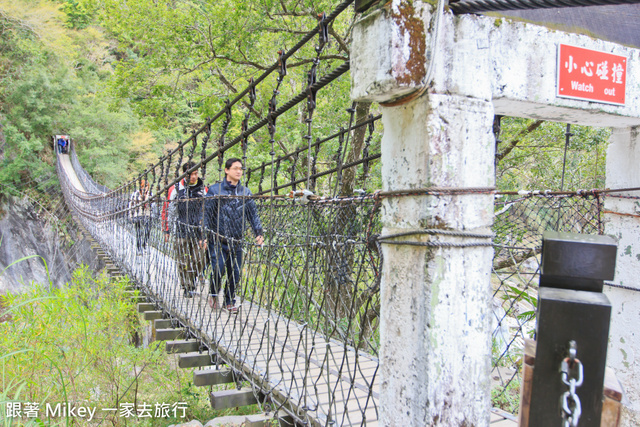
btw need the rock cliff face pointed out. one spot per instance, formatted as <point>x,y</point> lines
<point>26,230</point>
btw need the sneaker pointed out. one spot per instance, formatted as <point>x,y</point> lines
<point>231,309</point>
<point>213,302</point>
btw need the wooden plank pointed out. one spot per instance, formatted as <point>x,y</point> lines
<point>350,375</point>
<point>153,315</point>
<point>529,351</point>
<point>259,420</point>
<point>232,398</point>
<point>145,306</point>
<point>196,360</point>
<point>610,412</point>
<point>169,334</point>
<point>340,396</point>
<point>527,381</point>
<point>266,420</point>
<point>162,323</point>
<point>206,377</point>
<point>284,419</point>
<point>611,406</point>
<point>354,416</point>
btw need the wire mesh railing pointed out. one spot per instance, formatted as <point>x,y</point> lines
<point>306,306</point>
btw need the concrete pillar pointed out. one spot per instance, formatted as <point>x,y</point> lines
<point>435,328</point>
<point>435,314</point>
<point>623,158</point>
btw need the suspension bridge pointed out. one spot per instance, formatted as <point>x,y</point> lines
<point>295,363</point>
<point>306,334</point>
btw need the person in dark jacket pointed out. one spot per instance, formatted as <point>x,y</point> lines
<point>188,229</point>
<point>226,218</point>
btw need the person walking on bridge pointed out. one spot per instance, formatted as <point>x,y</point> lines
<point>140,210</point>
<point>63,145</point>
<point>226,218</point>
<point>187,196</point>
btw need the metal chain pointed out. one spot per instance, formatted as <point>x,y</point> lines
<point>194,145</point>
<point>180,156</point>
<point>203,155</point>
<point>571,408</point>
<point>223,134</point>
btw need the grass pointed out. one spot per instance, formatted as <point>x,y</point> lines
<point>74,346</point>
<point>508,398</point>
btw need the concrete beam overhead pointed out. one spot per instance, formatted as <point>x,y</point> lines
<point>510,63</point>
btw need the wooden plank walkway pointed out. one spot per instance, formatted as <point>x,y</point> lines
<point>320,380</point>
<point>330,380</point>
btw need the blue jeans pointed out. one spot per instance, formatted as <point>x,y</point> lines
<point>225,257</point>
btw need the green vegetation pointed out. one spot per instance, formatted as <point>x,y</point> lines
<point>51,82</point>
<point>530,156</point>
<point>74,345</point>
<point>508,398</point>
<point>129,82</point>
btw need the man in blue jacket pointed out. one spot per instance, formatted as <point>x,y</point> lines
<point>227,213</point>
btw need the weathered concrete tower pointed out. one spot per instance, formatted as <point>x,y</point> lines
<point>441,78</point>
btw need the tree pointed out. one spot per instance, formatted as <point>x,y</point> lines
<point>530,155</point>
<point>52,82</point>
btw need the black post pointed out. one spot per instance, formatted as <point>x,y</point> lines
<point>572,331</point>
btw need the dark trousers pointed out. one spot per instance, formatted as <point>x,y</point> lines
<point>225,257</point>
<point>143,228</point>
<point>190,262</point>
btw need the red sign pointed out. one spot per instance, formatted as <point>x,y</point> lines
<point>591,75</point>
